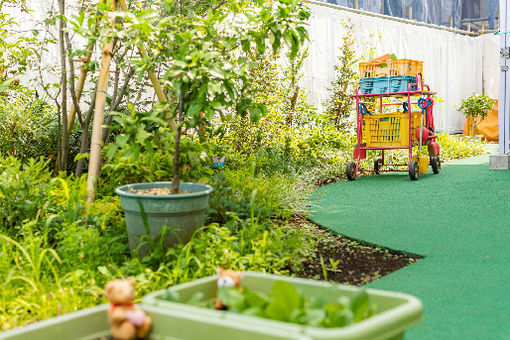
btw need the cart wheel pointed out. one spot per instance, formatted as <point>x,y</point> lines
<point>436,164</point>
<point>350,171</point>
<point>414,170</point>
<point>378,163</point>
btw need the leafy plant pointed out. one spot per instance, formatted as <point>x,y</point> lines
<point>477,107</point>
<point>143,150</point>
<point>330,309</point>
<point>205,65</point>
<point>340,104</point>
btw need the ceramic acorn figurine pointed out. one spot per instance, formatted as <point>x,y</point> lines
<point>127,321</point>
<point>229,279</point>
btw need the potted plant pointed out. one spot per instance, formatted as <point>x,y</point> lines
<point>358,314</point>
<point>476,107</point>
<point>205,66</point>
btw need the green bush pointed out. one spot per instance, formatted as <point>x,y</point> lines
<point>277,196</point>
<point>28,126</point>
<point>24,191</point>
<point>142,152</point>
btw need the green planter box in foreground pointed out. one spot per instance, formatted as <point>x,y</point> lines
<point>91,324</point>
<point>395,312</point>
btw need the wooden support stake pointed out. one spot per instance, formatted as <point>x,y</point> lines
<point>154,79</point>
<point>410,12</point>
<point>95,144</point>
<point>451,22</point>
<point>355,4</point>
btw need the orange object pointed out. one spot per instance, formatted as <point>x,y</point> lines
<point>390,67</point>
<point>383,57</point>
<point>488,128</point>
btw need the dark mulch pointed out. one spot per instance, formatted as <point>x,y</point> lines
<point>344,260</point>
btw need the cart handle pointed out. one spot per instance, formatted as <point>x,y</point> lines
<point>363,109</point>
<point>424,103</point>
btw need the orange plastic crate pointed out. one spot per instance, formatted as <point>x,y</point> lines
<point>385,68</point>
<point>390,129</point>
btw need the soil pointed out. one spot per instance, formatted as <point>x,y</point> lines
<point>156,191</point>
<point>344,260</point>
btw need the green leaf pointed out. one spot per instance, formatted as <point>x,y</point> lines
<point>342,318</point>
<point>360,305</point>
<point>82,156</point>
<point>196,298</point>
<point>314,317</point>
<point>285,300</point>
<point>256,299</point>
<point>194,109</point>
<point>161,173</point>
<point>141,134</point>
<point>5,85</point>
<point>172,296</point>
<point>231,298</point>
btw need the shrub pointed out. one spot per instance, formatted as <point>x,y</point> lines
<point>28,128</point>
<point>477,107</point>
<point>143,150</point>
<point>277,196</point>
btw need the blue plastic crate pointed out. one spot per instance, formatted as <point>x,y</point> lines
<point>380,85</point>
<point>399,84</point>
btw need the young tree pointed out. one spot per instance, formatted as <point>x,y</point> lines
<point>204,58</point>
<point>477,107</point>
<point>340,104</point>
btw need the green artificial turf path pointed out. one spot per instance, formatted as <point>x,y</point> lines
<point>459,220</point>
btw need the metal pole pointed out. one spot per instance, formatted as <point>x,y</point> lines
<point>501,160</point>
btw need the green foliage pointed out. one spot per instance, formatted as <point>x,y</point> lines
<point>277,195</point>
<point>340,105</point>
<point>330,309</point>
<point>16,50</point>
<point>23,191</point>
<point>476,106</point>
<point>143,152</point>
<point>456,147</point>
<point>28,126</point>
<point>452,147</point>
<point>206,68</point>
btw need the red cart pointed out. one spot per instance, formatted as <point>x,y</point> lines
<point>397,130</point>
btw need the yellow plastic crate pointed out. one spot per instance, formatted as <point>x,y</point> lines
<point>396,67</point>
<point>390,129</point>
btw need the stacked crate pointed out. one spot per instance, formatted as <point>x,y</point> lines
<point>391,75</point>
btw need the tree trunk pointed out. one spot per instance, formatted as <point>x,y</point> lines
<point>79,86</point>
<point>95,144</point>
<point>154,79</point>
<point>64,145</point>
<point>176,178</point>
<point>115,105</point>
<point>85,136</point>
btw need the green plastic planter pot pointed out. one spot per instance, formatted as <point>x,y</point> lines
<point>182,214</point>
<point>395,312</point>
<point>91,324</point>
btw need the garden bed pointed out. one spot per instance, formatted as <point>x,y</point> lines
<point>344,260</point>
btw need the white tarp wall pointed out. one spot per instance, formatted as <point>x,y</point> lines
<point>455,66</point>
<point>453,63</point>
